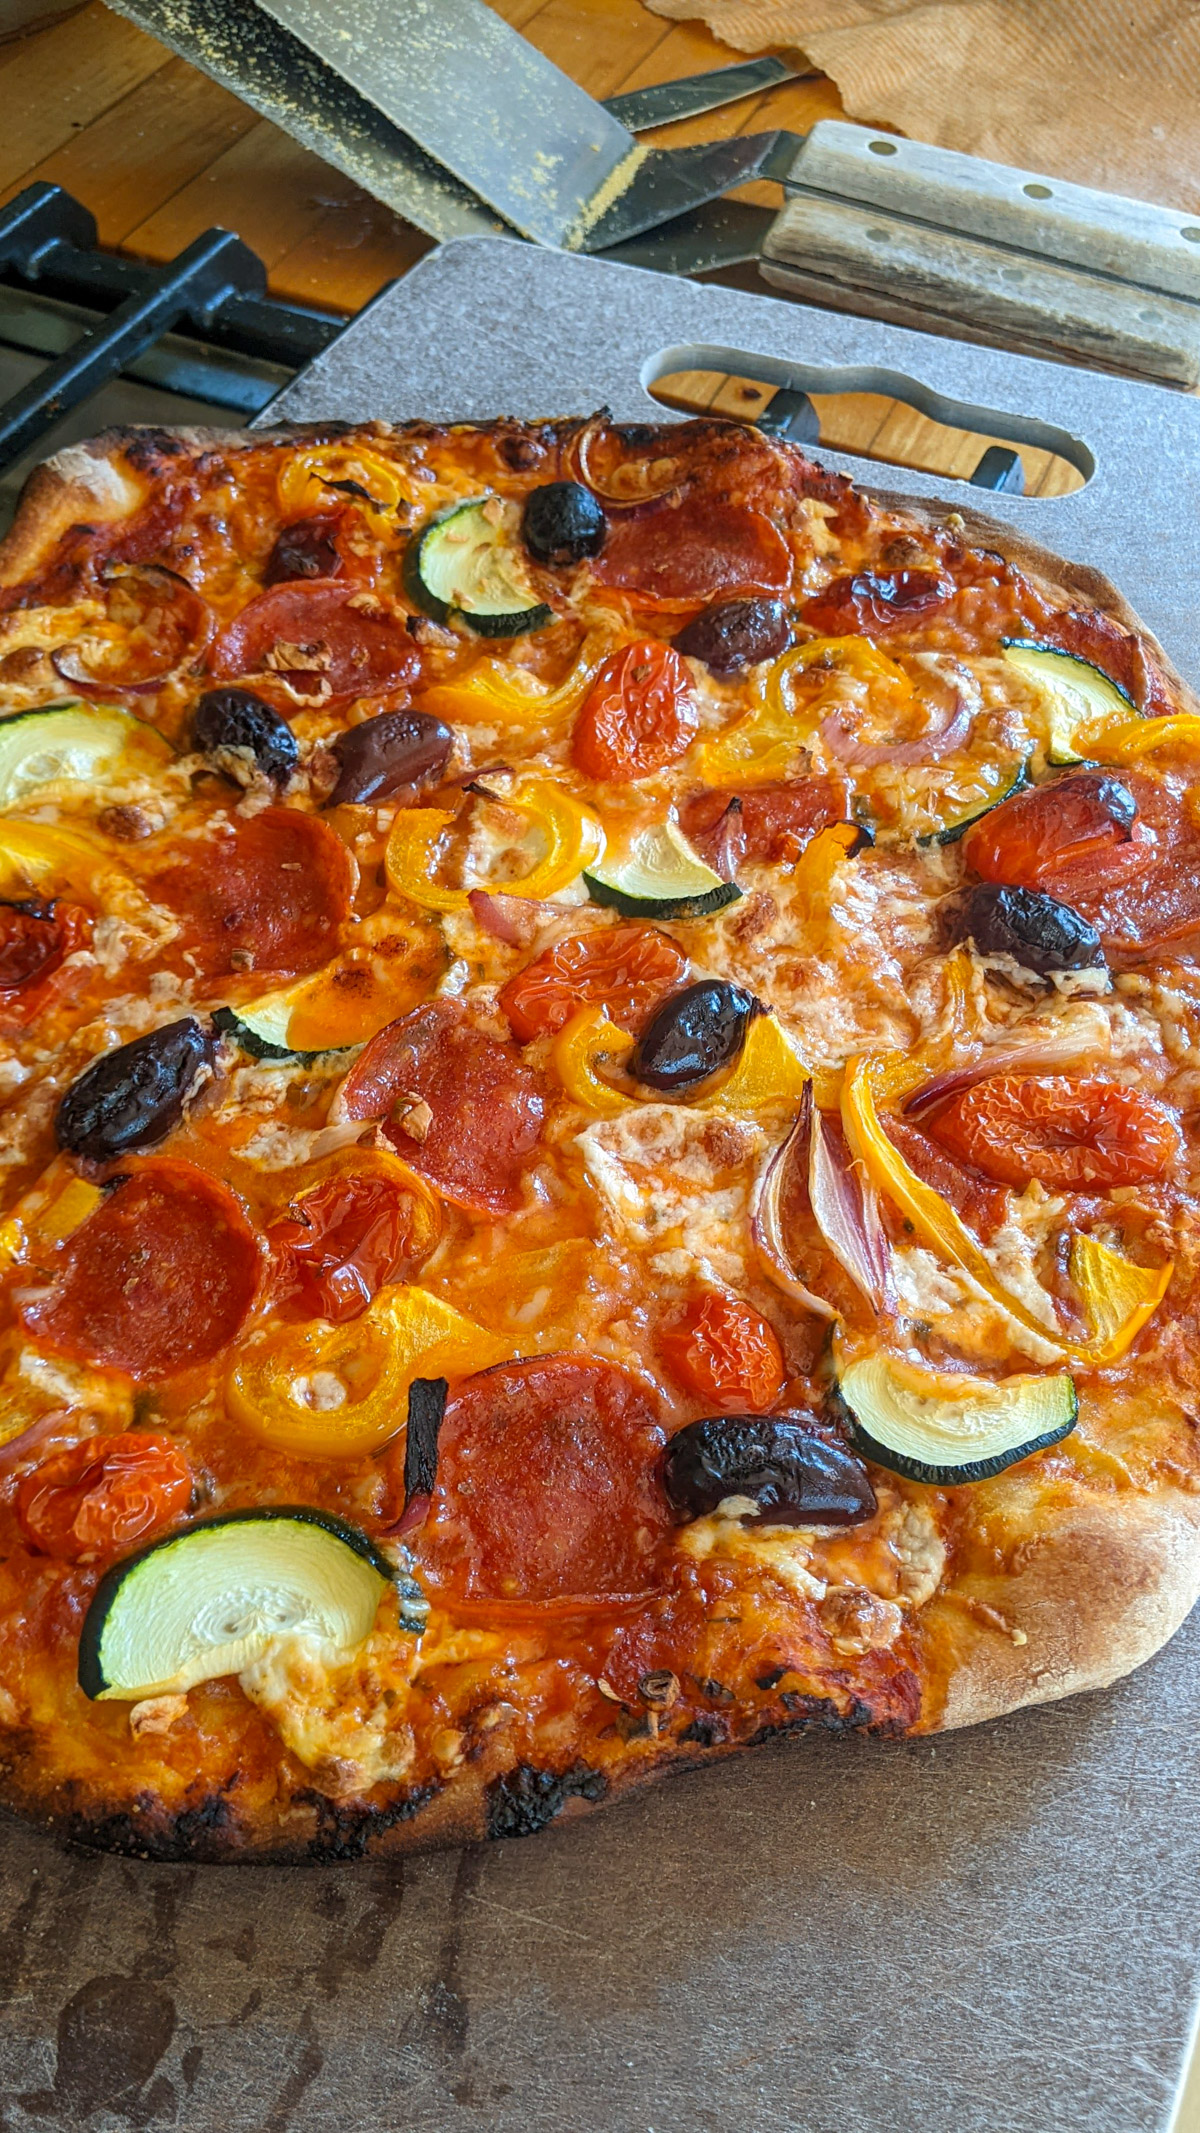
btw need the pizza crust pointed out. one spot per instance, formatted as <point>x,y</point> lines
<point>1089,1600</point>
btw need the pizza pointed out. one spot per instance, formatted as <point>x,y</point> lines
<point>599,1077</point>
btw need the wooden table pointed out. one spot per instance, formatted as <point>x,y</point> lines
<point>159,153</point>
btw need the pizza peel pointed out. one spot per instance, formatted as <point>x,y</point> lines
<point>993,1932</point>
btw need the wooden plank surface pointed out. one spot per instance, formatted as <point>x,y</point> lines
<point>159,153</point>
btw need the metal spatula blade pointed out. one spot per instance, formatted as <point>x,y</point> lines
<point>479,100</point>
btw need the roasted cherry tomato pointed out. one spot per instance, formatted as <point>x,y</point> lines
<point>160,1277</point>
<point>1065,1133</point>
<point>342,1241</point>
<point>638,715</point>
<point>723,1351</point>
<point>771,824</point>
<point>36,937</point>
<point>1072,835</point>
<point>626,969</point>
<point>100,1498</point>
<point>547,1485</point>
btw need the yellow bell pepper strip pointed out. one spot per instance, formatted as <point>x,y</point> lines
<point>1117,1295</point>
<point>308,478</point>
<point>769,1076</point>
<point>573,836</point>
<point>1123,743</point>
<point>937,1223</point>
<point>340,1392</point>
<point>490,693</point>
<point>35,855</point>
<point>588,1040</point>
<point>856,656</point>
<point>812,875</point>
<point>764,743</point>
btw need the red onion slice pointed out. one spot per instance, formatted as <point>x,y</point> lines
<point>728,841</point>
<point>766,1223</point>
<point>190,625</point>
<point>939,739</point>
<point>1071,1047</point>
<point>517,920</point>
<point>846,1208</point>
<point>578,458</point>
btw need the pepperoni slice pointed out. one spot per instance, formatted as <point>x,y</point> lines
<point>157,1280</point>
<point>626,969</point>
<point>546,1486</point>
<point>320,642</point>
<point>156,624</point>
<point>681,554</point>
<point>1068,1134</point>
<point>771,824</point>
<point>100,1498</point>
<point>275,889</point>
<point>485,1105</point>
<point>867,603</point>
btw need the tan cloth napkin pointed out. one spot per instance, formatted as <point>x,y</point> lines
<point>1106,92</point>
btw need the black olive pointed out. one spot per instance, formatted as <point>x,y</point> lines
<point>562,523</point>
<point>694,1032</point>
<point>736,633</point>
<point>798,1473</point>
<point>396,748</point>
<point>227,721</point>
<point>1037,931</point>
<point>305,549</point>
<point>134,1096</point>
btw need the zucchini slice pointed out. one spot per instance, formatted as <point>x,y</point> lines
<point>82,743</point>
<point>464,564</point>
<point>260,1028</point>
<point>656,874</point>
<point>1074,692</point>
<point>957,825</point>
<point>947,1430</point>
<point>210,1600</point>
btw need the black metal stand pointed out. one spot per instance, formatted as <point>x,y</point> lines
<point>215,289</point>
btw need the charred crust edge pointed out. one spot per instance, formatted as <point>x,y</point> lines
<point>523,1800</point>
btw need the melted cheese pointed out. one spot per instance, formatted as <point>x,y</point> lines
<point>676,1184</point>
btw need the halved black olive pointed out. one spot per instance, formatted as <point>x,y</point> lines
<point>1037,931</point>
<point>694,1033</point>
<point>562,523</point>
<point>798,1473</point>
<point>134,1096</point>
<point>227,723</point>
<point>396,748</point>
<point>305,549</point>
<point>736,633</point>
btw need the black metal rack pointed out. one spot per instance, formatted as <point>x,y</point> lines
<point>201,323</point>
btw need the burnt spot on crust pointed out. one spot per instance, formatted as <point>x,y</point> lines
<point>145,449</point>
<point>525,1799</point>
<point>209,1830</point>
<point>347,1829</point>
<point>709,1730</point>
<point>806,1713</point>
